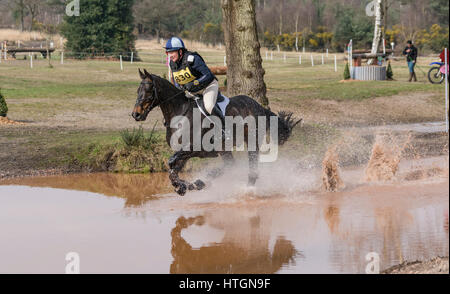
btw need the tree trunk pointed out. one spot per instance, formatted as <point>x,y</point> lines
<point>281,17</point>
<point>296,31</point>
<point>245,73</point>
<point>22,16</point>
<point>377,33</point>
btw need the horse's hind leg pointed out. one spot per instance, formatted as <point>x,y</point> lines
<point>176,164</point>
<point>253,158</point>
<point>228,160</point>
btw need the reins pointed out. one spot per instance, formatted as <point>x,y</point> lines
<point>155,94</point>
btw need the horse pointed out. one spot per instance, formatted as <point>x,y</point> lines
<point>155,91</point>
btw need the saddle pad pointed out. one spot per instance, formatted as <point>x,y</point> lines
<point>223,105</point>
<point>222,102</point>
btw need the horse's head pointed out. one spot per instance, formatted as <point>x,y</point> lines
<point>147,97</point>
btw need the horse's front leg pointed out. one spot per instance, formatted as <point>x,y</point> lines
<point>176,164</point>
<point>253,159</point>
<point>228,161</point>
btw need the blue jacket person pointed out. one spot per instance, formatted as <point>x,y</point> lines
<point>190,73</point>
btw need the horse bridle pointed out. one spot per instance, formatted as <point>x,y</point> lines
<point>156,97</point>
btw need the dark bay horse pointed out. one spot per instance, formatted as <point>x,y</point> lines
<point>155,91</point>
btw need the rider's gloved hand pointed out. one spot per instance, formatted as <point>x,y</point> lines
<point>189,86</point>
<point>189,94</point>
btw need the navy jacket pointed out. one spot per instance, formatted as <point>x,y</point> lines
<point>191,72</point>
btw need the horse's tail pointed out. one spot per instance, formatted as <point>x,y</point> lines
<point>286,124</point>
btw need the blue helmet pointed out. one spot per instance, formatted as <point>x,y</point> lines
<point>174,44</point>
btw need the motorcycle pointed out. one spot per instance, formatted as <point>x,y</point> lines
<point>436,74</point>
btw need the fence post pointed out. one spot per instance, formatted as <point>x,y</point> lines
<point>335,63</point>
<point>284,57</point>
<point>62,57</point>
<point>121,63</point>
<point>322,60</point>
<point>225,60</point>
<point>300,59</point>
<point>132,56</point>
<point>31,60</point>
<point>271,55</point>
<point>327,52</point>
<point>312,60</point>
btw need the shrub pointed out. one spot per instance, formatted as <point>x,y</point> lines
<point>389,72</point>
<point>3,106</point>
<point>137,138</point>
<point>346,72</point>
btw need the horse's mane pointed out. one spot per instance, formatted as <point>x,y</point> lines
<point>163,82</point>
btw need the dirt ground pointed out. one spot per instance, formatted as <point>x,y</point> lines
<point>403,108</point>
<point>438,265</point>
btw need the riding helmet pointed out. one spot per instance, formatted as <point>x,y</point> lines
<point>174,44</point>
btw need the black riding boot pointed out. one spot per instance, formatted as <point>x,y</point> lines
<point>217,112</point>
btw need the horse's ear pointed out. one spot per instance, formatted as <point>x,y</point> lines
<point>147,74</point>
<point>141,74</point>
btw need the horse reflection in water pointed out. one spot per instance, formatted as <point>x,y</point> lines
<point>233,255</point>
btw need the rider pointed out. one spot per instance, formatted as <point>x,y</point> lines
<point>190,73</point>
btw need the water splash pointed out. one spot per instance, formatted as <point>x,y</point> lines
<point>385,159</point>
<point>331,178</point>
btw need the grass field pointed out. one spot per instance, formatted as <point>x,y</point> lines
<point>70,107</point>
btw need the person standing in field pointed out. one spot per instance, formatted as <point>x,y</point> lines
<point>411,58</point>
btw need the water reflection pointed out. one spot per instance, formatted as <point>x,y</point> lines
<point>299,233</point>
<point>249,254</point>
<point>136,189</point>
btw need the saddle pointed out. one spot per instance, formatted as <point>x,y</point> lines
<point>221,103</point>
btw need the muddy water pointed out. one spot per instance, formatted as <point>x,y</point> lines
<point>134,224</point>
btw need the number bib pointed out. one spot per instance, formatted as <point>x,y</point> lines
<point>183,76</point>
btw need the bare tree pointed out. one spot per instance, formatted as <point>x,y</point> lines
<point>245,72</point>
<point>33,8</point>
<point>281,12</point>
<point>18,6</point>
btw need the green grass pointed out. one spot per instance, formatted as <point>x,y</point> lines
<point>104,78</point>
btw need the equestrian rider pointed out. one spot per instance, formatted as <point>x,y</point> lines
<point>190,73</point>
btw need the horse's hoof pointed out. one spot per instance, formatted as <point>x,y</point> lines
<point>181,189</point>
<point>199,184</point>
<point>215,173</point>
<point>251,183</point>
